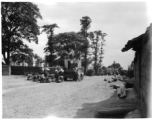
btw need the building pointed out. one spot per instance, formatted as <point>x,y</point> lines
<point>114,65</point>
<point>142,68</point>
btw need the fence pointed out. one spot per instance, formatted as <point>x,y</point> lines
<point>24,70</point>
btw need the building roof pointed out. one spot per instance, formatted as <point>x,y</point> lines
<point>136,43</point>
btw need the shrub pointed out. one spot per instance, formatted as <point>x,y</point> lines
<point>90,72</point>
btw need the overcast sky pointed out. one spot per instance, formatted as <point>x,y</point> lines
<point>122,21</point>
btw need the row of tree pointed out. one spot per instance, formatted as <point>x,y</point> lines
<point>19,22</point>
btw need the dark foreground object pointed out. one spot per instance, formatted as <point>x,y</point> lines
<point>119,113</point>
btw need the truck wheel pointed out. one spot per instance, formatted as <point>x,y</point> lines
<point>79,78</point>
<point>27,77</point>
<point>76,78</point>
<point>47,80</point>
<point>82,76</point>
<point>57,80</point>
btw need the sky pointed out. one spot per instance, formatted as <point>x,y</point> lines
<point>122,21</point>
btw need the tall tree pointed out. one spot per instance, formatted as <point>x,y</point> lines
<point>19,21</point>
<point>97,38</point>
<point>49,30</point>
<point>85,22</point>
<point>69,44</point>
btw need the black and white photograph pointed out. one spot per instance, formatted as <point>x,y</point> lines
<point>76,59</point>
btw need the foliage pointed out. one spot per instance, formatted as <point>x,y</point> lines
<point>22,53</point>
<point>90,72</point>
<point>97,40</point>
<point>103,71</point>
<point>19,21</point>
<point>50,59</point>
<point>69,45</point>
<point>49,29</point>
<point>50,46</point>
<point>85,22</point>
<point>25,54</point>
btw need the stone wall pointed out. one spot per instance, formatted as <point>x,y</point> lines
<point>142,70</point>
<point>136,74</point>
<point>145,76</point>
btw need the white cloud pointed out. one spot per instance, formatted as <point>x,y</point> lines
<point>149,10</point>
<point>50,3</point>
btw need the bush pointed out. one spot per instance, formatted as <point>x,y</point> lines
<point>90,72</point>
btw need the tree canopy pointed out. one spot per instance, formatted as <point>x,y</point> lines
<point>24,54</point>
<point>49,29</point>
<point>50,46</point>
<point>97,43</point>
<point>19,21</point>
<point>69,44</point>
<point>85,22</point>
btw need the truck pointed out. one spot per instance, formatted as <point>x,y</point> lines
<point>76,75</point>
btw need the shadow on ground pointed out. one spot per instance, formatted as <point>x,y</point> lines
<point>110,108</point>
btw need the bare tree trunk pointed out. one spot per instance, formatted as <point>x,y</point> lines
<point>7,60</point>
<point>96,56</point>
<point>85,64</point>
<point>86,53</point>
<point>8,56</point>
<point>95,65</point>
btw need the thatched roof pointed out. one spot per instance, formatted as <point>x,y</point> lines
<point>136,43</point>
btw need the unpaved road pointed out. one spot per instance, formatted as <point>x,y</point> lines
<point>28,99</point>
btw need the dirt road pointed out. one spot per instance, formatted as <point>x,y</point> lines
<point>27,99</point>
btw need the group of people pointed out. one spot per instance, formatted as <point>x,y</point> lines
<point>121,88</point>
<point>44,74</point>
<point>59,72</point>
